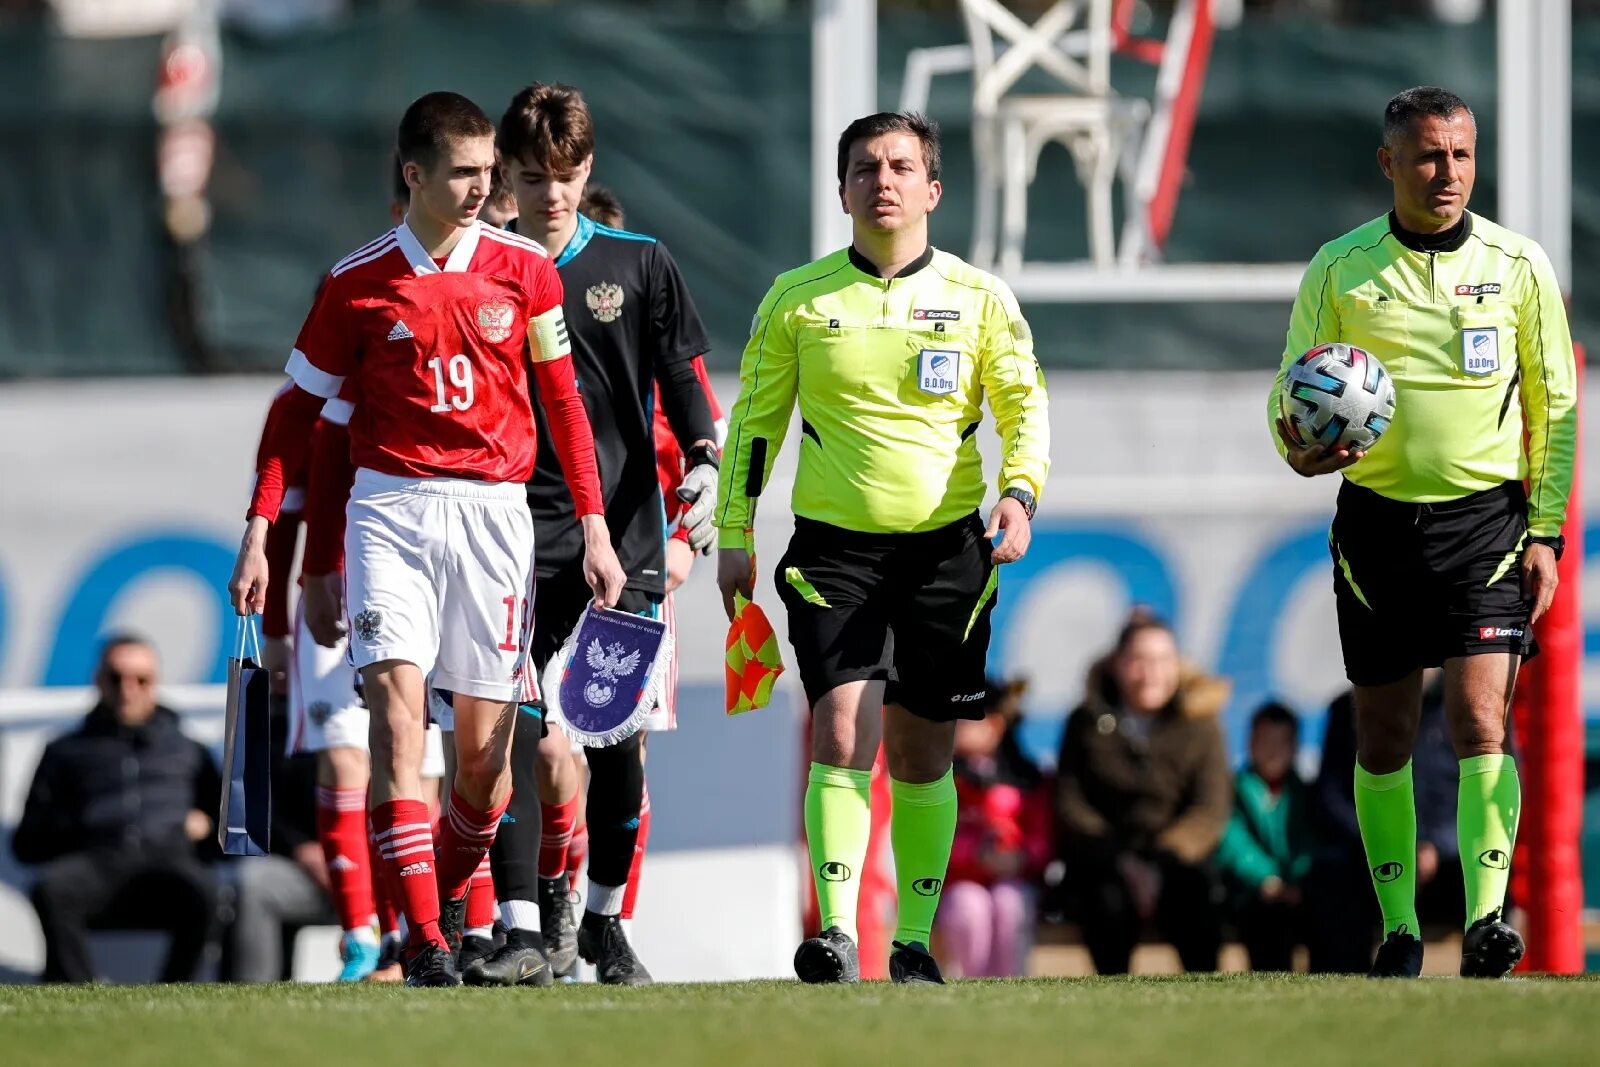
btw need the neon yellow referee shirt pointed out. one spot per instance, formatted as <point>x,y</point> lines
<point>1473,330</point>
<point>890,376</point>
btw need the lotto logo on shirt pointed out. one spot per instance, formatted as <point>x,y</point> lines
<point>1489,633</point>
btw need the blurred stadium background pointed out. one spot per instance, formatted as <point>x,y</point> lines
<point>180,172</point>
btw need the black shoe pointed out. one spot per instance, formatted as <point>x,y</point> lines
<point>829,957</point>
<point>912,964</point>
<point>520,961</point>
<point>452,917</point>
<point>1400,956</point>
<point>430,965</point>
<point>1490,948</point>
<point>602,942</point>
<point>473,950</point>
<point>560,928</point>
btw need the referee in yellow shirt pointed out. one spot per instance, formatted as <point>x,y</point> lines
<point>1447,533</point>
<point>890,347</point>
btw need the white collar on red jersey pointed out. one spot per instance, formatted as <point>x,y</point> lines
<point>460,256</point>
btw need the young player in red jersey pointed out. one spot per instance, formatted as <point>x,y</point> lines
<point>428,331</point>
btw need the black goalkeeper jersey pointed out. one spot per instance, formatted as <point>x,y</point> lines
<point>632,324</point>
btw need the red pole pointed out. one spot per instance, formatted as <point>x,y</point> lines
<point>1548,713</point>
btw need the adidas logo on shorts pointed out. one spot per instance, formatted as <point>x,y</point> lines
<point>342,863</point>
<point>400,332</point>
<point>420,867</point>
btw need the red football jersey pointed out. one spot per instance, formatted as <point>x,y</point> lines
<point>434,359</point>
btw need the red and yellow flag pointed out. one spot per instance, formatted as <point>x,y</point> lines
<point>753,661</point>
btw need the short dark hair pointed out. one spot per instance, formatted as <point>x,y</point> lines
<point>1272,713</point>
<point>1406,108</point>
<point>116,640</point>
<point>549,123</point>
<point>1139,620</point>
<point>918,125</point>
<point>602,205</point>
<point>432,122</point>
<point>398,189</point>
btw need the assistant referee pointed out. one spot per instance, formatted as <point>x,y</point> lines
<point>891,347</point>
<point>1447,533</point>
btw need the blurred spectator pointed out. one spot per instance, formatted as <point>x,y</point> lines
<point>1002,843</point>
<point>1344,911</point>
<point>277,894</point>
<point>602,205</point>
<point>113,818</point>
<point>1268,847</point>
<point>1143,795</point>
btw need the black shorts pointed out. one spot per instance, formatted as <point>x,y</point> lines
<point>909,609</point>
<point>1417,584</point>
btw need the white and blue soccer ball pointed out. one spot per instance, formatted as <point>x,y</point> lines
<point>1338,396</point>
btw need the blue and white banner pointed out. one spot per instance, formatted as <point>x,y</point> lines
<point>607,677</point>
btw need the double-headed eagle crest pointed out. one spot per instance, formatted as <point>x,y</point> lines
<point>609,663</point>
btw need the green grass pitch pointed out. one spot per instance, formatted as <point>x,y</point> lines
<point>1235,1021</point>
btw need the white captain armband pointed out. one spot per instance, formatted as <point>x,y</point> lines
<point>547,334</point>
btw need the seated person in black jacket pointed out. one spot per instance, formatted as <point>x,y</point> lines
<point>113,819</point>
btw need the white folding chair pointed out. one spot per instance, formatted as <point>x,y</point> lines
<point>1072,42</point>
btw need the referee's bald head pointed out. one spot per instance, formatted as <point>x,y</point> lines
<point>1401,113</point>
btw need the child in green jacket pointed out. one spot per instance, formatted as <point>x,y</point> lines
<point>1267,848</point>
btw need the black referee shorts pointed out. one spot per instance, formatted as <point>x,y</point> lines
<point>1417,584</point>
<point>909,609</point>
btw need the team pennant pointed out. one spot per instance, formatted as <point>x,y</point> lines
<point>754,661</point>
<point>608,675</point>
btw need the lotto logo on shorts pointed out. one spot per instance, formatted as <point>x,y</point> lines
<point>1489,633</point>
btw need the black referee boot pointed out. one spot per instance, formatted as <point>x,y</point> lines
<point>913,964</point>
<point>829,957</point>
<point>1400,956</point>
<point>1491,948</point>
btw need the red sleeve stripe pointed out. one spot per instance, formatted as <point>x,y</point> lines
<point>338,411</point>
<point>366,255</point>
<point>515,240</point>
<point>312,379</point>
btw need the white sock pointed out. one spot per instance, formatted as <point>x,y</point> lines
<point>606,899</point>
<point>520,915</point>
<point>367,935</point>
<point>485,932</point>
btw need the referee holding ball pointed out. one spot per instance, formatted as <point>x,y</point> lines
<point>1447,532</point>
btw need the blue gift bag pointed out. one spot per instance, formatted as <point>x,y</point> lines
<point>244,824</point>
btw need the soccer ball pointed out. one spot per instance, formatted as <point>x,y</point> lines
<point>1338,396</point>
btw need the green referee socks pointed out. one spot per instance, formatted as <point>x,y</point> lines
<point>1388,817</point>
<point>1487,807</point>
<point>922,829</point>
<point>838,824</point>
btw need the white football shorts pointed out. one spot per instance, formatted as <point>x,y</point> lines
<point>439,573</point>
<point>325,710</point>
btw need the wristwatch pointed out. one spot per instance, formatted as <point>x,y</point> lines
<point>701,454</point>
<point>1558,543</point>
<point>1023,497</point>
